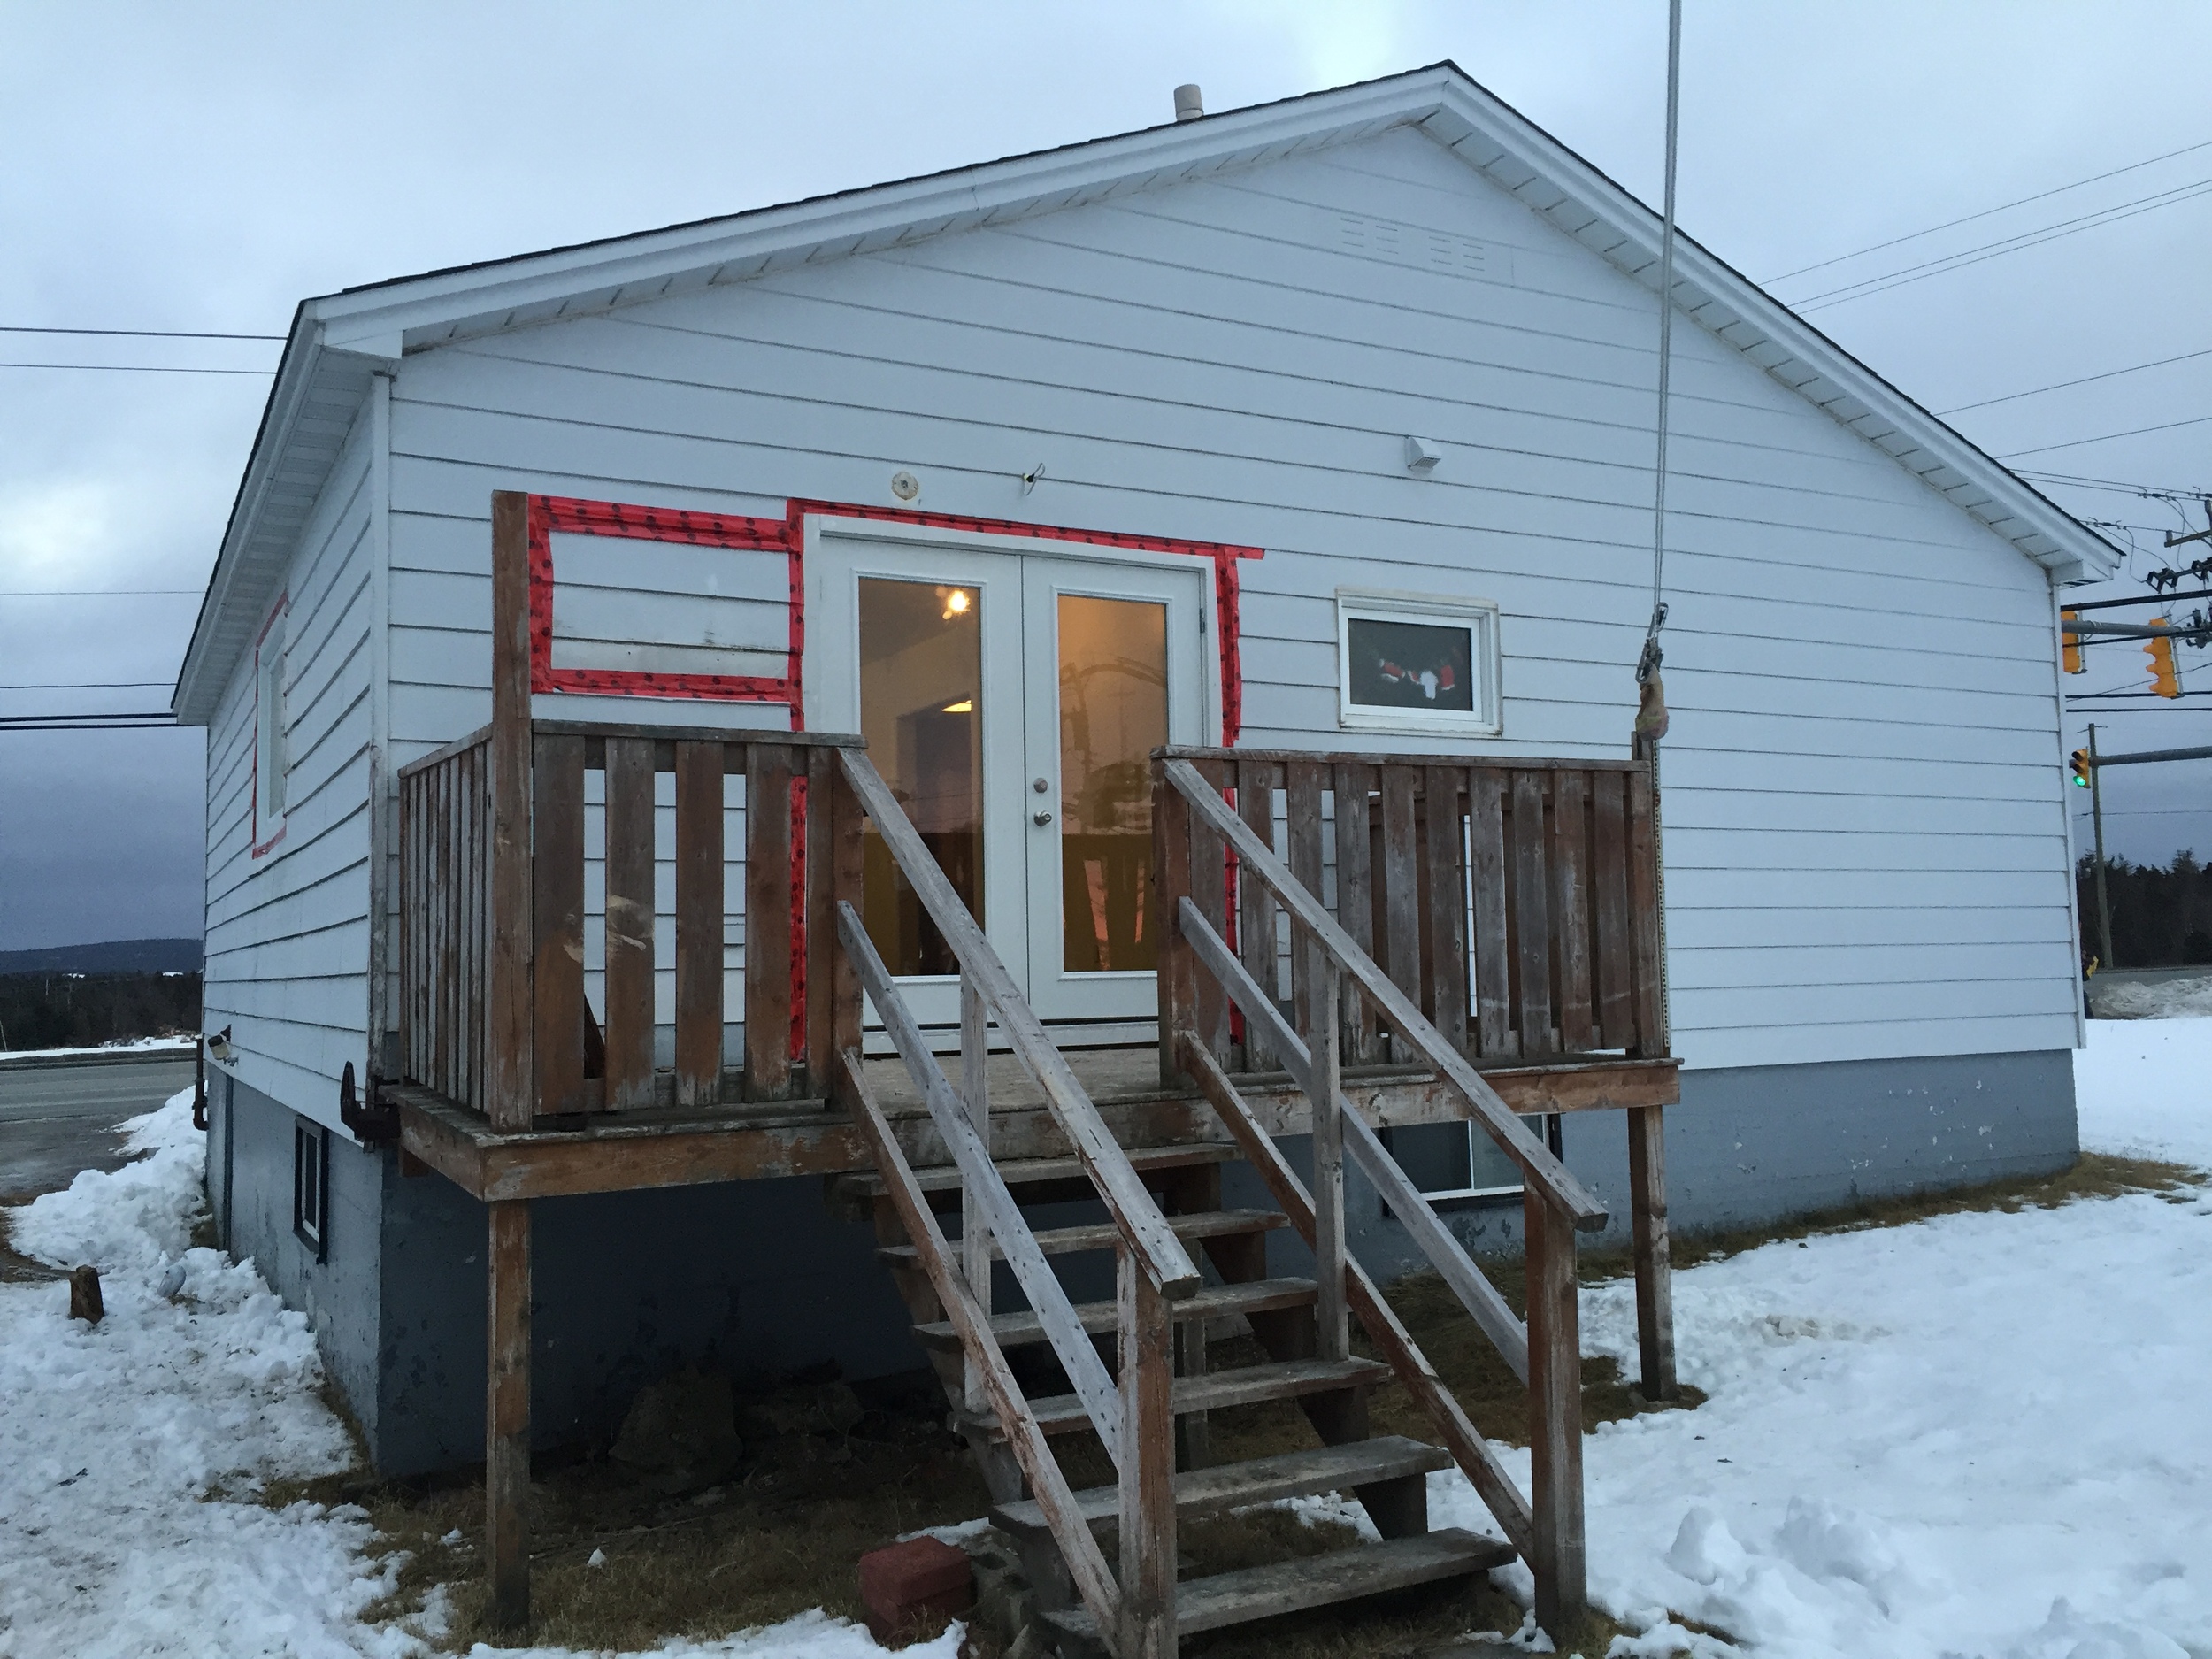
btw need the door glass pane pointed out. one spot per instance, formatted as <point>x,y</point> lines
<point>1113,714</point>
<point>921,678</point>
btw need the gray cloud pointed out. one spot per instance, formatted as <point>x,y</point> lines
<point>191,169</point>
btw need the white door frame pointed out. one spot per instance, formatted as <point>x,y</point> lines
<point>839,551</point>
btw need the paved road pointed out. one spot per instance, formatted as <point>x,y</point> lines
<point>55,1120</point>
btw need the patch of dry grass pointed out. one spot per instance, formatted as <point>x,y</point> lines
<point>781,1536</point>
<point>2091,1175</point>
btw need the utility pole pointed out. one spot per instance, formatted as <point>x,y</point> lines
<point>2096,812</point>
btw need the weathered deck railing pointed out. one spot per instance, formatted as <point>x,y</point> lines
<point>445,843</point>
<point>1515,903</point>
<point>576,1061</point>
<point>1133,1416</point>
<point>1342,991</point>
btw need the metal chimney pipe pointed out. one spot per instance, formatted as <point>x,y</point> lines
<point>1188,105</point>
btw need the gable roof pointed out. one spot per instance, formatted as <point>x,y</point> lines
<point>339,341</point>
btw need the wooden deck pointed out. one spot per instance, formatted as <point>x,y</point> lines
<point>616,1151</point>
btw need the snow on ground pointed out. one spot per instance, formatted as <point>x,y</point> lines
<point>2144,1089</point>
<point>1984,1436</point>
<point>135,1045</point>
<point>1981,1435</point>
<point>117,1440</point>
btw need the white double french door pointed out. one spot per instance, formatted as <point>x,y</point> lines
<point>1011,699</point>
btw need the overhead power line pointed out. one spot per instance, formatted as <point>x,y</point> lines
<point>1988,212</point>
<point>83,722</point>
<point>80,685</point>
<point>2121,486</point>
<point>2086,380</point>
<point>2106,437</point>
<point>1974,256</point>
<point>132,334</point>
<point>137,368</point>
<point>99,593</point>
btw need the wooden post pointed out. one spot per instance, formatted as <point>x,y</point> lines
<point>1555,1399</point>
<point>510,1087</point>
<point>975,1236</point>
<point>507,1413</point>
<point>768,922</point>
<point>557,863</point>
<point>1331,1322</point>
<point>1655,1274</point>
<point>1178,974</point>
<point>1147,1468</point>
<point>844,852</point>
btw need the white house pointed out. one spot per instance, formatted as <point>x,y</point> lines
<point>1390,347</point>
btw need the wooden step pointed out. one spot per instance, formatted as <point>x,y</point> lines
<point>1200,1492</point>
<point>1019,1172</point>
<point>1246,1385</point>
<point>1103,1235</point>
<point>1310,1581</point>
<point>1213,1302</point>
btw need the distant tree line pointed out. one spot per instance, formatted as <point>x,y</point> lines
<point>78,1011</point>
<point>2161,917</point>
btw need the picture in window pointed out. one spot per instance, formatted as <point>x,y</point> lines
<point>1411,665</point>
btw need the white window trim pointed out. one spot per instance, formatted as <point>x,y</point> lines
<point>1378,604</point>
<point>272,765</point>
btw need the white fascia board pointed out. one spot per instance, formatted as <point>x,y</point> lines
<point>311,380</point>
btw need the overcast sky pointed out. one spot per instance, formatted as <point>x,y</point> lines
<point>206,167</point>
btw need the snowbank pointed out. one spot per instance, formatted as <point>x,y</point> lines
<point>2144,1090</point>
<point>2156,998</point>
<point>1981,1435</point>
<point>119,1442</point>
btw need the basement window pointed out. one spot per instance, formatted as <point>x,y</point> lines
<point>1451,1161</point>
<point>311,1185</point>
<point>1417,663</point>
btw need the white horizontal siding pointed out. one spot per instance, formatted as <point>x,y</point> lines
<point>288,930</point>
<point>1867,853</point>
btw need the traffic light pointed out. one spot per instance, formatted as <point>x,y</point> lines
<point>2070,644</point>
<point>2081,769</point>
<point>2164,681</point>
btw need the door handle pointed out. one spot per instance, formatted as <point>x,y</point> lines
<point>1041,819</point>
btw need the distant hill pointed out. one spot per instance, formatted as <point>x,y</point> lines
<point>112,956</point>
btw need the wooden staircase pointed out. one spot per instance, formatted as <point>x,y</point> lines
<point>1387,1474</point>
<point>1139,1369</point>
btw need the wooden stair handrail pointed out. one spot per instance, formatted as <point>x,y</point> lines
<point>1462,1438</point>
<point>1407,1201</point>
<point>1086,1562</point>
<point>1156,1249</point>
<point>1538,1166</point>
<point>980,1177</point>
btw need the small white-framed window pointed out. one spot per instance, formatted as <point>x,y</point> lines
<point>1417,663</point>
<point>1459,1160</point>
<point>311,1185</point>
<point>269,761</point>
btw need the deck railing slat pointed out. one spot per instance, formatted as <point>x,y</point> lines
<point>629,979</point>
<point>768,921</point>
<point>699,924</point>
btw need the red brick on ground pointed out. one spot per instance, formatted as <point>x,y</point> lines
<point>904,1583</point>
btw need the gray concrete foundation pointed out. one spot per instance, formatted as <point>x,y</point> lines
<point>757,1278</point>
